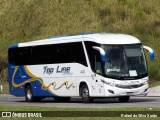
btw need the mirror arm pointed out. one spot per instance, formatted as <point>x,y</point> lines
<point>151,52</point>
<point>102,52</point>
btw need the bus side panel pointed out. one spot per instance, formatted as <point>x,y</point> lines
<point>17,91</point>
<point>18,78</point>
<point>38,90</point>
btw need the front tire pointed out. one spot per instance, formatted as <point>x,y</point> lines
<point>84,93</point>
<point>124,98</point>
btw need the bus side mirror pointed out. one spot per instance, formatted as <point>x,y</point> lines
<point>151,52</point>
<point>102,53</point>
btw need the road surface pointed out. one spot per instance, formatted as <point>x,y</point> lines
<point>9,100</point>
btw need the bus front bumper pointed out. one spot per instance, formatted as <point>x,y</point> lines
<point>111,91</point>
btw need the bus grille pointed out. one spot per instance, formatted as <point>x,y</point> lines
<point>129,86</point>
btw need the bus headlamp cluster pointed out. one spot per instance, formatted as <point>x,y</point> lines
<point>109,83</point>
<point>145,83</point>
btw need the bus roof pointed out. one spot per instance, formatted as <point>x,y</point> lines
<point>101,38</point>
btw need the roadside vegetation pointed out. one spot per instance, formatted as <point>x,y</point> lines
<point>28,20</point>
<point>116,112</point>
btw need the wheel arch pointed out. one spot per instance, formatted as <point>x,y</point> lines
<point>85,83</point>
<point>26,85</point>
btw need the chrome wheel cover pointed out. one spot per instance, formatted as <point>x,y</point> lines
<point>29,94</point>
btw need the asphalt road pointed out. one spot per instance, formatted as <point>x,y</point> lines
<point>8,100</point>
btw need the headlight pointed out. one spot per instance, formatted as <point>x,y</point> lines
<point>108,83</point>
<point>145,83</point>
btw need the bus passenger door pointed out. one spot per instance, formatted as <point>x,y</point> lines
<point>97,75</point>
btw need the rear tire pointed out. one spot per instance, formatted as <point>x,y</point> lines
<point>123,98</point>
<point>84,93</point>
<point>29,95</point>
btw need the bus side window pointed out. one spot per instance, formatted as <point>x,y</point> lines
<point>20,56</point>
<point>97,62</point>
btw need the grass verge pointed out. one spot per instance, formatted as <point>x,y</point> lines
<point>130,113</point>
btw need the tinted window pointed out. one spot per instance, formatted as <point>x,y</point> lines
<point>48,54</point>
<point>20,56</point>
<point>44,54</point>
<point>94,56</point>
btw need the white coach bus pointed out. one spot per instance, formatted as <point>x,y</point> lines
<point>93,65</point>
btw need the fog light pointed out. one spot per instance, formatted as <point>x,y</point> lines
<point>111,91</point>
<point>145,89</point>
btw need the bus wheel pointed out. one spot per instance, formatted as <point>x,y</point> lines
<point>84,93</point>
<point>29,94</point>
<point>124,98</point>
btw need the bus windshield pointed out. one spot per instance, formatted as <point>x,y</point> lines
<point>124,61</point>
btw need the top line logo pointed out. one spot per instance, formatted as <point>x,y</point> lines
<point>47,70</point>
